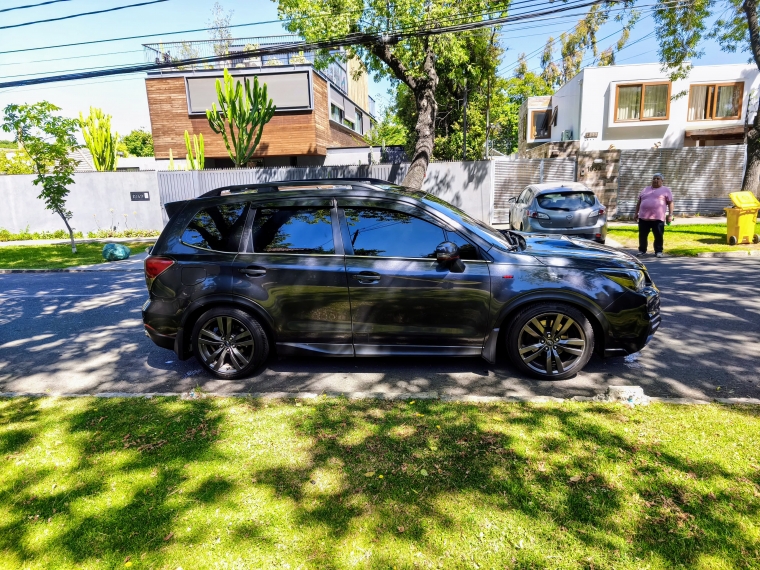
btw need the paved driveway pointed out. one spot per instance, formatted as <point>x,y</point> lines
<point>81,332</point>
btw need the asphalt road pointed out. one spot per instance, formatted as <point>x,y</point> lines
<point>82,333</point>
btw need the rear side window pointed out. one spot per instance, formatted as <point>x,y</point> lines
<point>217,228</point>
<point>293,230</point>
<point>567,201</point>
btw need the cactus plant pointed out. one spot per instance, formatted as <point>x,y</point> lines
<point>197,161</point>
<point>96,130</point>
<point>171,160</point>
<point>244,109</point>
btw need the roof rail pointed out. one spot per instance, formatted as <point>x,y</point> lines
<point>265,187</point>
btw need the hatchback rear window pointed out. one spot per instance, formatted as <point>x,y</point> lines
<point>567,201</point>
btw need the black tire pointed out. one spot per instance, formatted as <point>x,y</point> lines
<point>732,240</point>
<point>569,353</point>
<point>756,238</point>
<point>214,343</point>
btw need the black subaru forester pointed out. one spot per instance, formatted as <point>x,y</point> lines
<point>366,268</point>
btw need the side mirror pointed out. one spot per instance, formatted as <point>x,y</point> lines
<point>446,252</point>
<point>512,200</point>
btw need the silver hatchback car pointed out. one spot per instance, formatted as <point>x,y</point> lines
<point>567,208</point>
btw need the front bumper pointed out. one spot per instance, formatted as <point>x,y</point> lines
<point>631,330</point>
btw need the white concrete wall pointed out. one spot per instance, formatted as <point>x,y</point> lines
<point>96,199</point>
<point>568,99</point>
<point>351,156</point>
<point>597,113</point>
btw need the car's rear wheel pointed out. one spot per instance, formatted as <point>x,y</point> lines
<point>551,341</point>
<point>229,342</point>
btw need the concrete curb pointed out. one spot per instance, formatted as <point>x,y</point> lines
<point>744,253</point>
<point>470,399</point>
<point>71,270</point>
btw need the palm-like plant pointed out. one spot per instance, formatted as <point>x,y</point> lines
<point>243,111</point>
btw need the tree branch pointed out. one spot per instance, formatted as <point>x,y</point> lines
<point>384,53</point>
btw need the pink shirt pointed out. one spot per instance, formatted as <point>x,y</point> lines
<point>654,203</point>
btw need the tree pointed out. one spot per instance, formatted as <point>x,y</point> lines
<point>388,131</point>
<point>139,143</point>
<point>243,110</point>
<point>515,91</point>
<point>14,161</point>
<point>219,29</point>
<point>101,142</point>
<point>412,60</point>
<point>681,30</point>
<point>49,140</point>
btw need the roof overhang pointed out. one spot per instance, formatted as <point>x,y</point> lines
<point>717,133</point>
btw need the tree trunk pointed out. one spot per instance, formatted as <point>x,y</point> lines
<point>752,171</point>
<point>425,129</point>
<point>71,232</point>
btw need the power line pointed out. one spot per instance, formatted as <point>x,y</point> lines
<point>32,5</point>
<point>70,57</point>
<point>351,39</point>
<point>69,17</point>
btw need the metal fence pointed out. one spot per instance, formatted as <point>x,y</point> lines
<point>512,176</point>
<point>700,177</point>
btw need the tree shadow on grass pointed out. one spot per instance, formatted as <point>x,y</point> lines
<point>336,483</point>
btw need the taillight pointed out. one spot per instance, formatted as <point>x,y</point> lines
<point>537,215</point>
<point>598,212</point>
<point>155,266</point>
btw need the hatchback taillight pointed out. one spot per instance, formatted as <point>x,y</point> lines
<point>155,266</point>
<point>598,212</point>
<point>537,215</point>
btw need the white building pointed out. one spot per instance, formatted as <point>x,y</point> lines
<point>637,106</point>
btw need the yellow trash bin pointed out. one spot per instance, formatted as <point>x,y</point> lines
<point>742,218</point>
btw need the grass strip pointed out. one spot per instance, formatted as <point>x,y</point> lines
<point>58,256</point>
<point>332,483</point>
<point>683,240</point>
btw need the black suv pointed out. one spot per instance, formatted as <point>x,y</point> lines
<point>367,268</point>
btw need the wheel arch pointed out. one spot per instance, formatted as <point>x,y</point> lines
<point>197,308</point>
<point>591,311</point>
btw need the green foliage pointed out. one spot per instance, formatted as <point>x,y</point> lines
<point>139,143</point>
<point>8,144</point>
<point>127,233</point>
<point>513,92</point>
<point>197,161</point>
<point>389,131</point>
<point>15,162</point>
<point>101,142</point>
<point>243,110</point>
<point>25,234</point>
<point>48,139</point>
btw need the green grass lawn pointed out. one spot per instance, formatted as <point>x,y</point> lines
<point>683,239</point>
<point>58,256</point>
<point>332,483</point>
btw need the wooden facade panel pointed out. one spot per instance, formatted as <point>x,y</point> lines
<point>287,134</point>
<point>330,134</point>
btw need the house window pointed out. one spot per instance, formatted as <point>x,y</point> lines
<point>719,101</point>
<point>336,113</point>
<point>541,124</point>
<point>642,102</point>
<point>349,124</point>
<point>359,122</point>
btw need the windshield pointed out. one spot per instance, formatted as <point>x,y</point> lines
<point>486,232</point>
<point>566,201</point>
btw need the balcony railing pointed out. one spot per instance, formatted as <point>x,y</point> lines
<point>240,52</point>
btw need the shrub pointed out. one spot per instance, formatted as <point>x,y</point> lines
<point>128,233</point>
<point>6,235</point>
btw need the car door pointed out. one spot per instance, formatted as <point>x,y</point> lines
<point>292,267</point>
<point>517,215</point>
<point>402,300</point>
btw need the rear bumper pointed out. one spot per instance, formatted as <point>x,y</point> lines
<point>160,326</point>
<point>162,340</point>
<point>595,232</point>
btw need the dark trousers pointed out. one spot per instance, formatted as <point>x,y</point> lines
<point>657,227</point>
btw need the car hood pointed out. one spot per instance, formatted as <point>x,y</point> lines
<point>570,252</point>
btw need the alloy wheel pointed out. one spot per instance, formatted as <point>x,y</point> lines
<point>225,344</point>
<point>551,344</point>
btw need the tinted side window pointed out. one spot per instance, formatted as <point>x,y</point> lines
<point>523,196</point>
<point>293,230</point>
<point>218,228</point>
<point>386,233</point>
<point>466,249</point>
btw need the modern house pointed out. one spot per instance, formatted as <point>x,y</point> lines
<point>317,110</point>
<point>638,107</point>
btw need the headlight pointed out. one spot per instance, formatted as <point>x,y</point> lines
<point>629,278</point>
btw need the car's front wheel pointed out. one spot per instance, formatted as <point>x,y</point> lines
<point>551,341</point>
<point>229,343</point>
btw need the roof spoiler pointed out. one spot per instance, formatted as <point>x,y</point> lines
<point>173,208</point>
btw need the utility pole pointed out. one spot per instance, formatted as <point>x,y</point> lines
<point>464,123</point>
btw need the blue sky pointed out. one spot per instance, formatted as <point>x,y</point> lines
<point>124,96</point>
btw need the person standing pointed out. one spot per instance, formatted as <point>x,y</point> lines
<point>653,209</point>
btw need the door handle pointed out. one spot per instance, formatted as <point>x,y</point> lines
<point>253,271</point>
<point>367,277</point>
